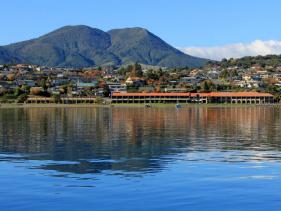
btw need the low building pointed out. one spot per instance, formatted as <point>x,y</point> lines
<point>91,84</point>
<point>60,82</point>
<point>117,87</point>
<point>213,74</point>
<point>135,81</point>
<point>188,80</point>
<point>29,83</point>
<point>212,97</point>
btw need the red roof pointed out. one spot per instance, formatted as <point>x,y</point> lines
<point>187,94</point>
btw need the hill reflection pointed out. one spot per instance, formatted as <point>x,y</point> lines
<point>134,139</point>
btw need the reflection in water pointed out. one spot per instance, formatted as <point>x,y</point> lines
<point>138,139</point>
<point>197,158</point>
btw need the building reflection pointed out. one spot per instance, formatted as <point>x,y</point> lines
<point>133,139</point>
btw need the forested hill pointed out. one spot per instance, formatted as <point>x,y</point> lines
<point>83,46</point>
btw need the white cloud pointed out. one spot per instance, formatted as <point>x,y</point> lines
<point>238,50</point>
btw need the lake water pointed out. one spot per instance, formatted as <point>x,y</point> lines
<point>197,158</point>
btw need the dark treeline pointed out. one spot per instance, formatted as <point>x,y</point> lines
<point>249,61</point>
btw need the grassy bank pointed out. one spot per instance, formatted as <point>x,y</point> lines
<point>161,105</point>
<point>125,105</point>
<point>16,105</point>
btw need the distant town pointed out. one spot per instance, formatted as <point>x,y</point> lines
<point>25,83</point>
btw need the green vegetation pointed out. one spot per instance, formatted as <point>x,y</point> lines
<point>247,62</point>
<point>56,98</point>
<point>16,95</point>
<point>22,98</point>
<point>83,46</point>
<point>99,100</point>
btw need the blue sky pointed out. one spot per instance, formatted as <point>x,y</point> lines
<point>182,23</point>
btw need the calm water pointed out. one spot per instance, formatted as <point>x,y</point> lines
<point>140,159</point>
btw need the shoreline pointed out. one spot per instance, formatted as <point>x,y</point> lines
<point>133,105</point>
<point>45,105</point>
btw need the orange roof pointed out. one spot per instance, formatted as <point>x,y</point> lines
<point>240,94</point>
<point>152,94</point>
<point>187,94</point>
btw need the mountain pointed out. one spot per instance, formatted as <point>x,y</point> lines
<point>71,46</point>
<point>137,44</point>
<point>6,57</point>
<point>83,46</point>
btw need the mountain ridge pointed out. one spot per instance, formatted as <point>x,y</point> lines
<point>84,46</point>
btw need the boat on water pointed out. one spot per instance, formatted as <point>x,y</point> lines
<point>178,105</point>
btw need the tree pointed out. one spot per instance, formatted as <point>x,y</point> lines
<point>122,71</point>
<point>138,70</point>
<point>22,98</point>
<point>3,91</point>
<point>152,75</point>
<point>138,66</point>
<point>56,98</point>
<point>35,90</point>
<point>25,88</point>
<point>42,83</point>
<point>106,91</point>
<point>17,91</point>
<point>98,100</point>
<point>206,86</point>
<point>63,89</point>
<point>69,88</point>
<point>160,72</point>
<point>11,77</point>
